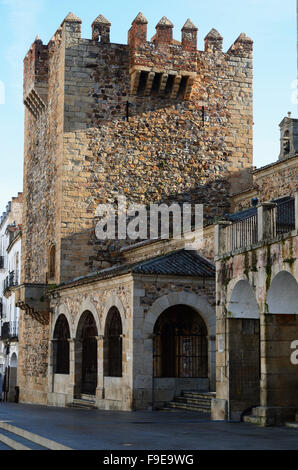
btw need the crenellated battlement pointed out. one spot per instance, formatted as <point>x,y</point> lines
<point>36,77</point>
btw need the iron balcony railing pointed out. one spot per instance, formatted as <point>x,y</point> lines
<point>9,330</point>
<point>11,280</point>
<point>267,222</point>
<point>285,216</point>
<point>243,233</point>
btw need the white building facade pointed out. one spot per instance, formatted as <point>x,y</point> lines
<point>10,261</point>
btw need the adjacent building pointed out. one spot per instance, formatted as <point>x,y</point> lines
<point>10,264</point>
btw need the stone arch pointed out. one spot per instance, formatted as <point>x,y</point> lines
<point>61,349</point>
<point>200,305</point>
<point>197,302</point>
<point>242,302</point>
<point>113,348</point>
<point>63,310</point>
<point>114,301</point>
<point>87,305</point>
<point>282,297</point>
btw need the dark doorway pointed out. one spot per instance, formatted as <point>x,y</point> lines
<point>113,344</point>
<point>86,355</point>
<point>61,346</point>
<point>180,344</point>
<point>244,364</point>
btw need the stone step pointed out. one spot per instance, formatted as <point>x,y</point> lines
<point>187,406</point>
<point>252,419</point>
<point>85,397</point>
<point>82,404</point>
<point>199,395</point>
<point>195,401</point>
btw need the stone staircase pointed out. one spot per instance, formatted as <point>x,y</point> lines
<point>191,401</point>
<point>86,402</point>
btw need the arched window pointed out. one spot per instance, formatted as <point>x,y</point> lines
<point>52,262</point>
<point>180,344</point>
<point>113,344</point>
<point>286,143</point>
<point>61,346</point>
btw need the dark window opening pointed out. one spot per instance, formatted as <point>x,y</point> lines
<point>52,262</point>
<point>169,85</point>
<point>156,84</point>
<point>182,87</point>
<point>180,344</point>
<point>142,83</point>
<point>61,346</point>
<point>113,344</point>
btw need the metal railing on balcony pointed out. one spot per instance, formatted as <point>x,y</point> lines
<point>9,330</point>
<point>266,222</point>
<point>285,216</point>
<point>242,233</point>
<point>11,280</point>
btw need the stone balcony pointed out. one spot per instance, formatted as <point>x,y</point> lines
<point>34,300</point>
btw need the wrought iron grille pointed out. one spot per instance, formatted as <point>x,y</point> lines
<point>113,344</point>
<point>180,345</point>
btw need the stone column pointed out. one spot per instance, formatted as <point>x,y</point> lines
<point>51,365</point>
<point>100,392</point>
<point>78,353</point>
<point>220,238</point>
<point>71,384</point>
<point>266,221</point>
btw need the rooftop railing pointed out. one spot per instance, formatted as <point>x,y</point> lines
<point>269,221</point>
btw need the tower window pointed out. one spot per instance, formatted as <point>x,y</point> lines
<point>52,262</point>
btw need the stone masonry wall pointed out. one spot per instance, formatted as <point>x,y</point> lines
<point>80,150</point>
<point>270,182</point>
<point>169,149</point>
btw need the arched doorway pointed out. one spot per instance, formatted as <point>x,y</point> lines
<point>243,345</point>
<point>280,373</point>
<point>61,346</point>
<point>113,344</point>
<point>180,344</point>
<point>86,355</point>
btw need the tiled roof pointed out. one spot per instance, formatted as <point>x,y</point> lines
<point>178,263</point>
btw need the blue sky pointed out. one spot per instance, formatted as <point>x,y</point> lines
<point>270,23</point>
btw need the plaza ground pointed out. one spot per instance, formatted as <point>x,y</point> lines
<point>106,430</point>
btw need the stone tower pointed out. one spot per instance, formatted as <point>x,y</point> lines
<point>154,120</point>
